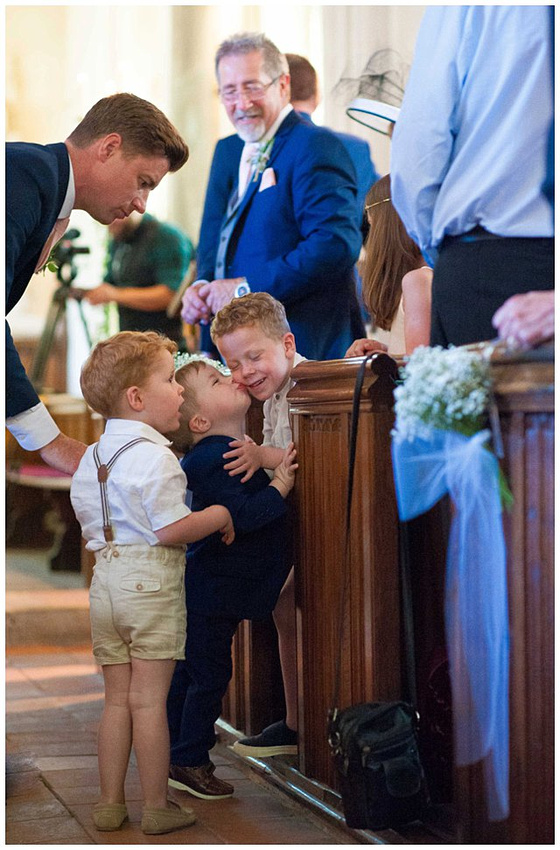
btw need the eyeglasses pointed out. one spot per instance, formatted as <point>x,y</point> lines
<point>375,203</point>
<point>251,91</point>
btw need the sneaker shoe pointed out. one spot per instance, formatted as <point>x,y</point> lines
<point>200,782</point>
<point>275,740</point>
<point>159,821</point>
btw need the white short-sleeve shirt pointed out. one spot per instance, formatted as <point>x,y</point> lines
<point>146,487</point>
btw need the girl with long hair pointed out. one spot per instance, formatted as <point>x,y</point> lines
<point>396,282</point>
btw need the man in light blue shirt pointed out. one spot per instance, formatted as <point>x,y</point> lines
<point>468,160</point>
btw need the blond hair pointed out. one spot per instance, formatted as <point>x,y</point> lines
<point>144,129</point>
<point>183,438</point>
<point>115,364</point>
<point>256,308</point>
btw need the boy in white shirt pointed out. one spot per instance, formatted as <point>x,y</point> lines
<point>253,336</point>
<point>129,496</point>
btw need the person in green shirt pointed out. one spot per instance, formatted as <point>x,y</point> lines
<point>147,261</point>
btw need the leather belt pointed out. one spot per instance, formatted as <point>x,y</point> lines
<point>477,234</point>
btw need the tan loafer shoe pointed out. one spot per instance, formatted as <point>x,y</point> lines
<point>109,816</point>
<point>159,821</point>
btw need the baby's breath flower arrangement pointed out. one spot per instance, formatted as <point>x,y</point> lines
<point>182,358</point>
<point>448,389</point>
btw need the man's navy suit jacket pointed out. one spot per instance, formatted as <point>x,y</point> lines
<point>297,240</point>
<point>359,153</point>
<point>36,184</point>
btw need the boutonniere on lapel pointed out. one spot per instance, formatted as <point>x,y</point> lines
<point>51,263</point>
<point>260,158</point>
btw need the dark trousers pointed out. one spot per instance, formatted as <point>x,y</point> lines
<point>198,686</point>
<point>473,278</point>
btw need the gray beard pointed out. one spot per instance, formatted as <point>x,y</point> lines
<point>251,135</point>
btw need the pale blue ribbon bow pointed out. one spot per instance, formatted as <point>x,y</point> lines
<point>476,609</point>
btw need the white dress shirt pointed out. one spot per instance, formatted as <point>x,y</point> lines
<point>277,430</point>
<point>146,487</point>
<point>469,146</point>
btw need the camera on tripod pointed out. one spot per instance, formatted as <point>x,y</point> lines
<point>63,255</point>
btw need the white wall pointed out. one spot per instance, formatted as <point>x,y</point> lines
<point>359,31</point>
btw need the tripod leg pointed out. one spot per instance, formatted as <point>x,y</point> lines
<point>56,311</point>
<point>85,324</point>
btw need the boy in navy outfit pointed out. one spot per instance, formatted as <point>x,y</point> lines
<point>222,587</point>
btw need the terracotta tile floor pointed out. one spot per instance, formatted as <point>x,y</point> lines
<point>53,702</point>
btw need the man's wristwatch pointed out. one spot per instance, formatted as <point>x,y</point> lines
<point>241,289</point>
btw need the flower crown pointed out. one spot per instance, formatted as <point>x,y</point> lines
<point>182,358</point>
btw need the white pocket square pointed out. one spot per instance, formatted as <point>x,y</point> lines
<point>268,179</point>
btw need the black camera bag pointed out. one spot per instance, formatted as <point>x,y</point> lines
<point>375,745</point>
<point>380,776</point>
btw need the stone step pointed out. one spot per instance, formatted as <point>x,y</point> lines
<point>52,617</point>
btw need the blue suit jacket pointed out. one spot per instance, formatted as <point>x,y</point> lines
<point>366,176</point>
<point>297,240</point>
<point>358,150</point>
<point>244,579</point>
<point>36,183</point>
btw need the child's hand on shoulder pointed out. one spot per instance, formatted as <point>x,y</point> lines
<point>285,472</point>
<point>227,531</point>
<point>246,458</point>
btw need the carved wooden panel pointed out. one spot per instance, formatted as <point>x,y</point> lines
<point>321,405</point>
<point>525,395</point>
<point>255,697</point>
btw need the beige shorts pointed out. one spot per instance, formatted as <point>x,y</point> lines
<point>137,604</point>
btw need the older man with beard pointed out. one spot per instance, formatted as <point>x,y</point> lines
<point>280,209</point>
<point>147,261</point>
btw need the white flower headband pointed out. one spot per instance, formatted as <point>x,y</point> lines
<point>183,357</point>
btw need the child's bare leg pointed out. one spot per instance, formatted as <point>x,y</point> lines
<point>148,694</point>
<point>115,733</point>
<point>284,618</point>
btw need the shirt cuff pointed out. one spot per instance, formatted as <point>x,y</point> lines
<point>33,428</point>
